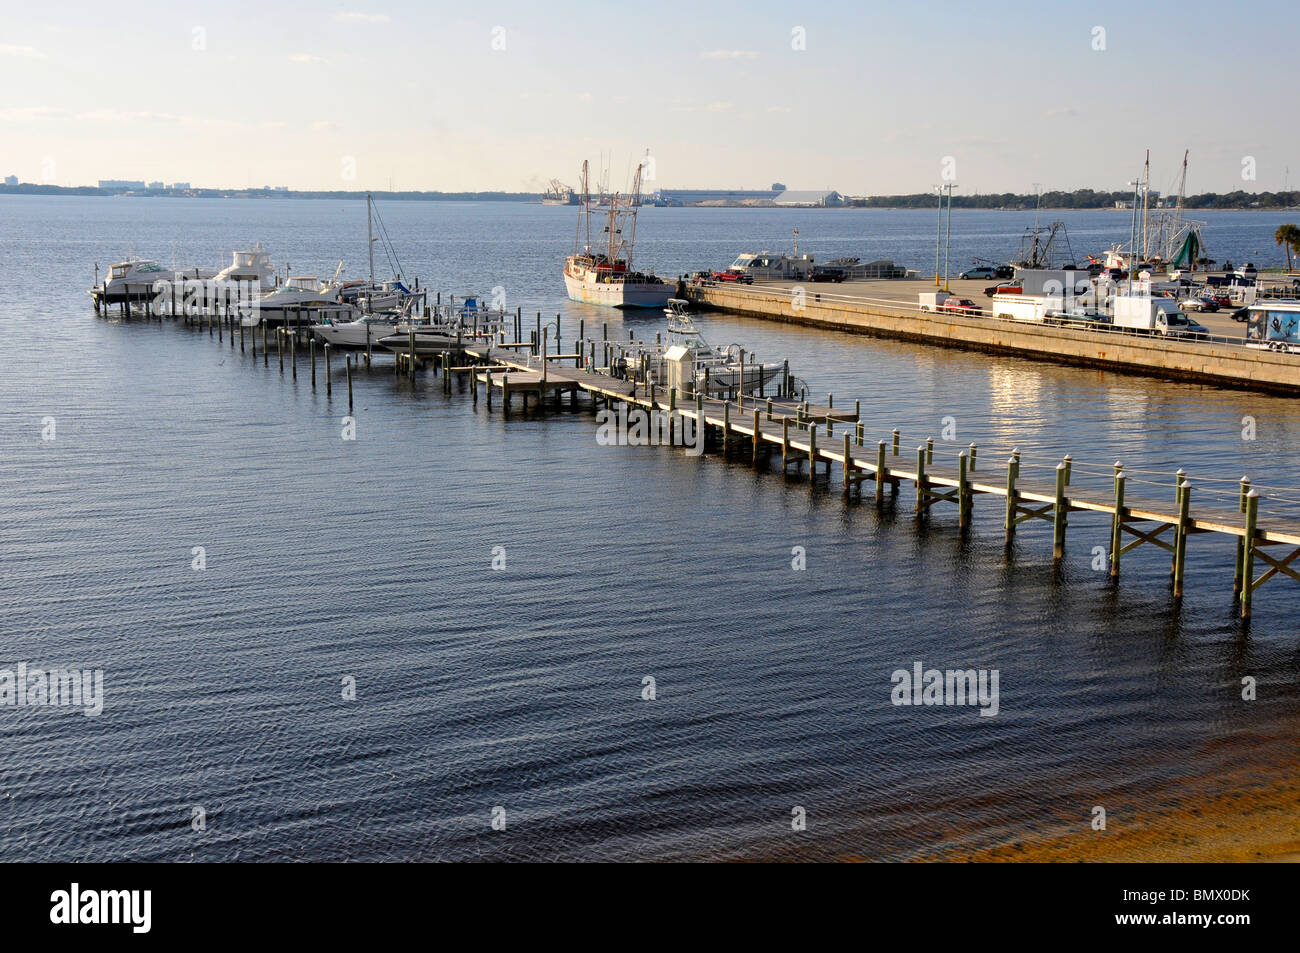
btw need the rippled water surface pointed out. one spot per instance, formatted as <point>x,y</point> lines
<point>371,559</point>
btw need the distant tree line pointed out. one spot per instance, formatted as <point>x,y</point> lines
<point>1079,199</point>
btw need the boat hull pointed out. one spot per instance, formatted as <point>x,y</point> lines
<point>617,294</point>
<point>427,343</point>
<point>353,336</point>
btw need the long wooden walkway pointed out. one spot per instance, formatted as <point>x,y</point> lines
<point>835,437</point>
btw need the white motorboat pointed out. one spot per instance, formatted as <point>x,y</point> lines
<point>137,280</point>
<point>713,370</point>
<point>430,339</point>
<point>301,301</point>
<point>365,331</point>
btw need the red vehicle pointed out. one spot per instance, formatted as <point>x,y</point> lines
<point>1012,289</point>
<point>1221,300</point>
<point>959,306</point>
<point>737,276</point>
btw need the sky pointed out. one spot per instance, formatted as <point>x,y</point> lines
<point>865,98</point>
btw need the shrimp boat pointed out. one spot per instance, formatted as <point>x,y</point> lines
<point>713,370</point>
<point>605,275</point>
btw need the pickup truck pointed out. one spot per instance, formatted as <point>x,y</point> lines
<point>960,306</point>
<point>737,276</point>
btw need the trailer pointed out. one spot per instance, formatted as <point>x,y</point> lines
<point>1274,326</point>
<point>933,300</point>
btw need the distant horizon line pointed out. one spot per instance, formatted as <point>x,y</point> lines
<point>1107,200</point>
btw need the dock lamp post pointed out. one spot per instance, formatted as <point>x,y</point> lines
<point>947,242</point>
<point>938,235</point>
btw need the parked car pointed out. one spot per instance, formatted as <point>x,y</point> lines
<point>827,274</point>
<point>737,276</point>
<point>1223,301</point>
<point>959,306</point>
<point>1002,272</point>
<point>1011,289</point>
<point>1199,304</point>
<point>1248,271</point>
<point>981,272</point>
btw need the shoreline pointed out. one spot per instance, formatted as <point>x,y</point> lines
<point>1255,824</point>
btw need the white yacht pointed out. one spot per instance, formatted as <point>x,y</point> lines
<point>365,331</point>
<point>301,300</point>
<point>136,280</point>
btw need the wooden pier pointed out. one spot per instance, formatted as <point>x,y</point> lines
<point>836,438</point>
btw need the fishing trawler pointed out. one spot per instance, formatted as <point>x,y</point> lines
<point>605,275</point>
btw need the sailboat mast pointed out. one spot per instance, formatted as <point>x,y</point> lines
<point>370,238</point>
<point>1146,206</point>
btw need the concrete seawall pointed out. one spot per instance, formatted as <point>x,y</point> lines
<point>1214,363</point>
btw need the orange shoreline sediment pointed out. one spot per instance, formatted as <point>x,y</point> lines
<point>1260,823</point>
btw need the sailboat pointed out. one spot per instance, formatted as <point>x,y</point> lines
<point>605,275</point>
<point>372,295</point>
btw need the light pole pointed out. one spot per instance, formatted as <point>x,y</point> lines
<point>947,243</point>
<point>938,235</point>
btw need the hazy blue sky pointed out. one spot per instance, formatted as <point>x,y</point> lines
<point>415,94</point>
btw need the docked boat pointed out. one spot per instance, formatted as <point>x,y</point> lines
<point>366,331</point>
<point>451,326</point>
<point>249,276</point>
<point>604,274</point>
<point>137,280</point>
<point>373,295</point>
<point>711,370</point>
<point>301,301</point>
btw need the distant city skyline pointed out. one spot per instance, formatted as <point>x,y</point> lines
<point>403,96</point>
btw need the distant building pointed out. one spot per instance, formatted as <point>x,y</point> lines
<point>156,185</point>
<point>806,199</point>
<point>120,184</point>
<point>716,196</point>
<point>281,188</point>
<point>11,180</point>
<point>179,186</point>
<point>778,187</point>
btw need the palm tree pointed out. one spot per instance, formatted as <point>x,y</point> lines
<point>1288,236</point>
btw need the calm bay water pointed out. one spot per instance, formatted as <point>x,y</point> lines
<point>371,558</point>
